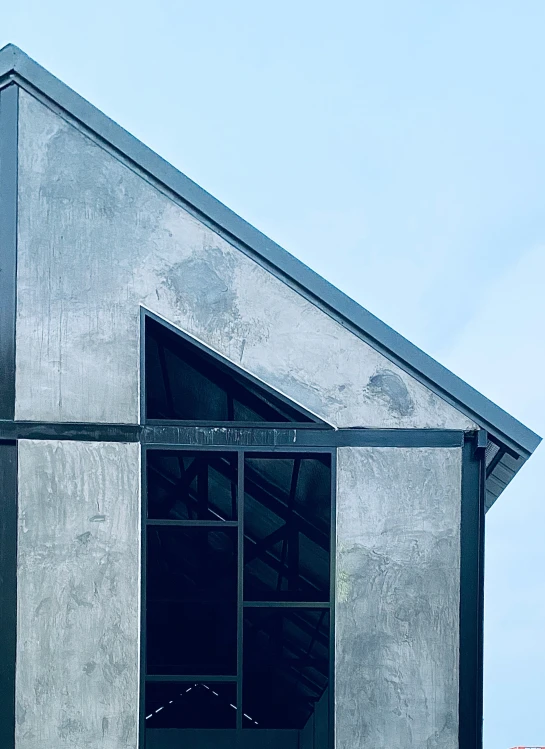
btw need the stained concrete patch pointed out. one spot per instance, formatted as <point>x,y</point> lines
<point>201,287</point>
<point>89,667</point>
<point>389,387</point>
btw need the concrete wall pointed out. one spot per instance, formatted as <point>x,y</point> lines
<point>96,241</point>
<point>78,595</point>
<point>398,576</point>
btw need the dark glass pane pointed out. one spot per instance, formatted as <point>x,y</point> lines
<point>186,382</point>
<point>287,528</point>
<point>286,665</point>
<point>191,486</point>
<point>190,705</point>
<point>191,600</point>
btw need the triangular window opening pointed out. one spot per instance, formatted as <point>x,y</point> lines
<point>186,382</point>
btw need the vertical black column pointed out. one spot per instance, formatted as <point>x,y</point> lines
<point>472,594</point>
<point>332,600</point>
<point>240,594</point>
<point>8,591</point>
<point>143,582</point>
<point>9,103</point>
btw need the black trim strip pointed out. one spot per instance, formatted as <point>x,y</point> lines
<point>143,604</point>
<point>207,678</point>
<point>332,686</point>
<point>193,523</point>
<point>471,596</point>
<point>233,437</point>
<point>285,437</point>
<point>8,592</point>
<point>35,430</point>
<point>9,122</point>
<point>240,592</point>
<point>287,605</point>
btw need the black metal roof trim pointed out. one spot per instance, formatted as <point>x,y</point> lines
<point>16,65</point>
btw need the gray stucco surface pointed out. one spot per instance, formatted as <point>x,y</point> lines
<point>397,607</point>
<point>78,595</point>
<point>96,241</point>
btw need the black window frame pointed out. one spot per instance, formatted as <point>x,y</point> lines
<point>242,451</point>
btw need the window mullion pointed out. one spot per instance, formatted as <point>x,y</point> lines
<point>240,582</point>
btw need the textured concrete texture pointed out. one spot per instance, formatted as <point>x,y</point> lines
<point>96,241</point>
<point>398,577</point>
<point>78,596</point>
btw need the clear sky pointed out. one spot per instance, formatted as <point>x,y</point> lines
<point>398,148</point>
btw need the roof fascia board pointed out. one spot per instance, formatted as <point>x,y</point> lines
<point>16,65</point>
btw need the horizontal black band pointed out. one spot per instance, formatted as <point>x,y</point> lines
<point>37,430</point>
<point>208,678</point>
<point>199,437</point>
<point>239,437</point>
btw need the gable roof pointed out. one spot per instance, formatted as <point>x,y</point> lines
<point>510,443</point>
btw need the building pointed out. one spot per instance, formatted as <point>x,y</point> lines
<point>237,509</point>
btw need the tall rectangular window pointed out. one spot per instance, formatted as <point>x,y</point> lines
<point>238,599</point>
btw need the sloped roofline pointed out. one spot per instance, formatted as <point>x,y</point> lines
<point>16,66</point>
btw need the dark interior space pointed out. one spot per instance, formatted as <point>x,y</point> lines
<point>192,486</point>
<point>287,527</point>
<point>286,665</point>
<point>191,600</point>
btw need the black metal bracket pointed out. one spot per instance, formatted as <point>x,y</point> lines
<point>481,441</point>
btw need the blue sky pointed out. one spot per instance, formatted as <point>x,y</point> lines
<point>398,148</point>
